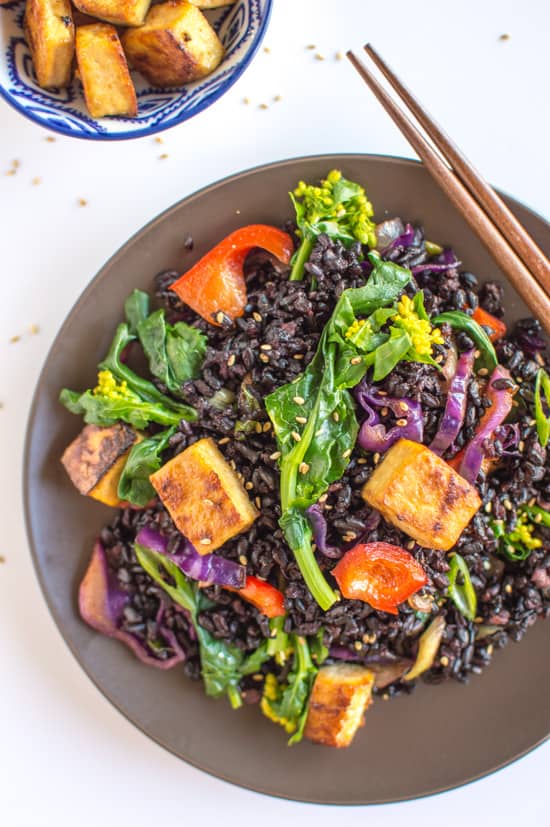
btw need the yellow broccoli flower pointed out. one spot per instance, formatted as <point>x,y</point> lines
<point>108,386</point>
<point>271,693</point>
<point>423,335</point>
<point>523,534</point>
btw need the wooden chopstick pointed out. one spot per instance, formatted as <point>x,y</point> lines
<point>521,278</point>
<point>516,235</point>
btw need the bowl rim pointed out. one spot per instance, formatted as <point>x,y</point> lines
<point>148,131</point>
<point>38,572</point>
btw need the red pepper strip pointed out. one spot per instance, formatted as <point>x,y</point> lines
<point>380,574</point>
<point>472,459</point>
<point>215,284</point>
<point>267,599</point>
<point>487,320</point>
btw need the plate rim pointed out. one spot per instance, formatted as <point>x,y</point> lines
<point>329,158</point>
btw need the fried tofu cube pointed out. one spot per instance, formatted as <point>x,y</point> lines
<point>49,30</point>
<point>175,45</point>
<point>95,459</point>
<point>204,496</point>
<point>419,493</point>
<point>118,12</point>
<point>108,87</point>
<point>339,698</point>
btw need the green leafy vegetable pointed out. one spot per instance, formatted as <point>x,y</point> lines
<point>518,543</point>
<point>136,309</point>
<point>461,321</point>
<point>222,664</point>
<point>143,460</point>
<point>462,593</point>
<point>314,416</point>
<point>542,416</point>
<point>338,208</point>
<point>123,395</point>
<point>287,704</point>
<point>175,352</point>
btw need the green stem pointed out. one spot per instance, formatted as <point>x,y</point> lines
<point>302,255</point>
<point>313,576</point>
<point>234,697</point>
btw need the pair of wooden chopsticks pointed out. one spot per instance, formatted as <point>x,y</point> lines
<point>513,249</point>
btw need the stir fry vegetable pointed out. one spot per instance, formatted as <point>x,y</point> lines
<point>485,319</point>
<point>215,287</point>
<point>380,574</point>
<point>518,543</point>
<point>144,459</point>
<point>314,417</point>
<point>461,321</point>
<point>461,590</point>
<point>338,208</point>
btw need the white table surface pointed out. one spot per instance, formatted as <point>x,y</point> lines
<point>66,756</point>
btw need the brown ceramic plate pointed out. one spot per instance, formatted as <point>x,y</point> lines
<point>433,740</point>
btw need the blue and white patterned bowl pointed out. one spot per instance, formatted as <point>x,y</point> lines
<point>240,27</point>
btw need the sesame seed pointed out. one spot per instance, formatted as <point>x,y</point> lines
<point>278,98</point>
<point>477,354</point>
<point>382,393</point>
<point>504,37</point>
<point>36,181</point>
<point>521,445</point>
<point>266,347</point>
<point>384,411</point>
<point>220,317</point>
<point>267,49</point>
<point>243,560</point>
<point>258,503</point>
<point>336,416</point>
<point>339,55</point>
<point>478,619</point>
<point>361,461</point>
<point>486,565</point>
<point>401,422</point>
<point>507,505</point>
<point>206,501</point>
<point>231,360</point>
<point>490,649</point>
<point>323,498</point>
<point>532,501</point>
<point>376,458</point>
<point>483,371</point>
<point>311,46</point>
<point>34,329</point>
<point>298,356</point>
<point>319,432</point>
<point>266,427</point>
<point>385,696</point>
<point>358,645</point>
<point>264,358</point>
<point>16,164</point>
<point>538,518</point>
<point>246,101</point>
<point>519,380</point>
<point>82,202</point>
<point>258,427</point>
<point>351,535</point>
<point>50,139</point>
<point>224,440</point>
<point>369,637</point>
<point>319,56</point>
<point>532,422</point>
<point>296,436</point>
<point>346,453</point>
<point>508,588</point>
<point>356,360</point>
<point>257,676</point>
<point>205,541</point>
<point>249,486</point>
<point>263,106</point>
<point>439,358</point>
<point>275,455</point>
<point>232,464</point>
<point>301,419</point>
<point>159,140</point>
<point>411,544</point>
<point>303,468</point>
<point>403,406</point>
<point>299,400</point>
<point>15,339</point>
<point>163,156</point>
<point>11,172</point>
<point>257,316</point>
<point>489,507</point>
<point>444,661</point>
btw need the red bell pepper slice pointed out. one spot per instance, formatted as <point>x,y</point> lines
<point>215,284</point>
<point>380,574</point>
<point>265,597</point>
<point>487,320</point>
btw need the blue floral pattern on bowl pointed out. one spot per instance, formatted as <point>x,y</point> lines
<point>240,27</point>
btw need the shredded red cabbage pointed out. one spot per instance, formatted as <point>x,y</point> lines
<point>501,405</point>
<point>102,602</point>
<point>208,568</point>
<point>373,435</point>
<point>455,406</point>
<point>319,528</point>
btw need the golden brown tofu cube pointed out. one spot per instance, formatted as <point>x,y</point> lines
<point>176,45</point>
<point>339,698</point>
<point>419,493</point>
<point>204,496</point>
<point>49,30</point>
<point>108,87</point>
<point>118,12</point>
<point>94,453</point>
